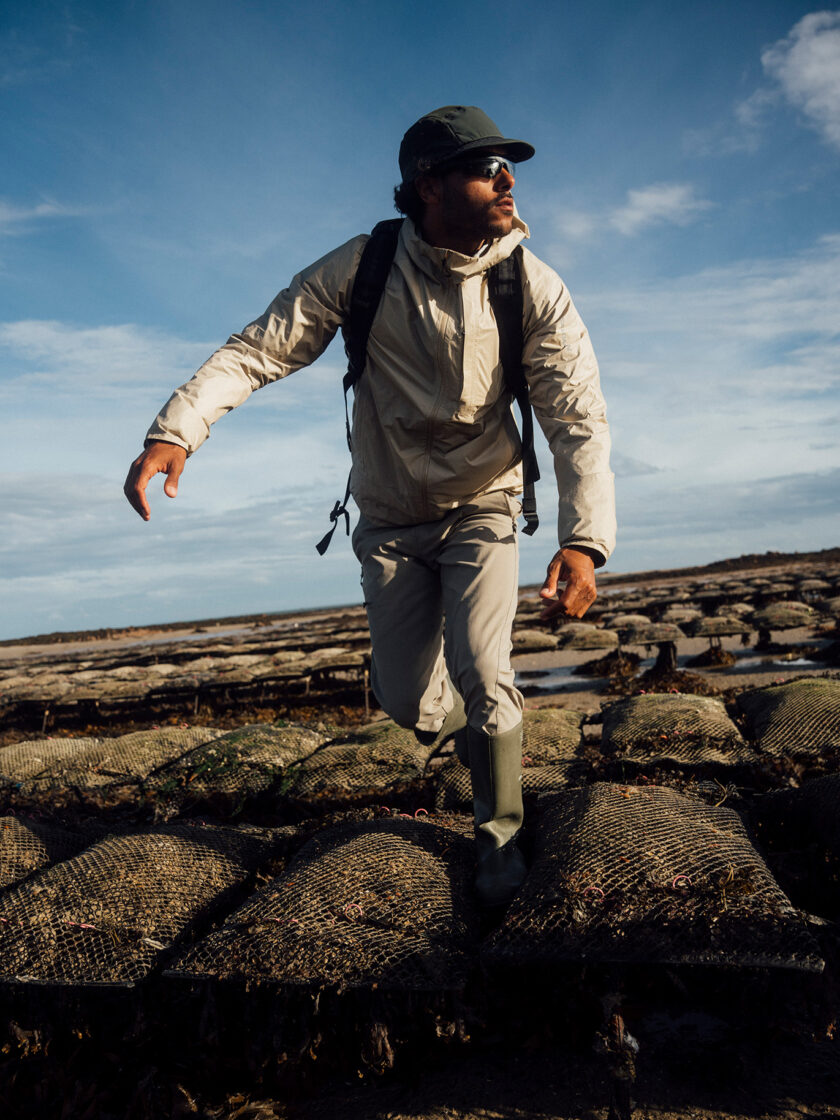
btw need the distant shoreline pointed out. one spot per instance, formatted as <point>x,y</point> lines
<point>750,561</point>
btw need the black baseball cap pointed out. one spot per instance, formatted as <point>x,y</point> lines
<point>447,133</point>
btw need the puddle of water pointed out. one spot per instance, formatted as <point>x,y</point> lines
<point>744,664</point>
<point>555,680</point>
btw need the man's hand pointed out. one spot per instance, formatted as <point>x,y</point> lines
<point>577,570</point>
<point>158,458</point>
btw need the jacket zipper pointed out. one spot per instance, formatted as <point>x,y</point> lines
<point>447,319</point>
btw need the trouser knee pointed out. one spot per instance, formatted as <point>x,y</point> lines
<point>400,705</point>
<point>492,707</point>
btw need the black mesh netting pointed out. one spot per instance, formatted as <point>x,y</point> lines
<point>453,789</point>
<point>384,903</point>
<point>106,915</point>
<point>379,759</point>
<point>647,875</point>
<point>551,758</point>
<point>551,735</point>
<point>239,765</point>
<point>798,717</point>
<point>40,768</point>
<point>28,845</point>
<point>673,727</point>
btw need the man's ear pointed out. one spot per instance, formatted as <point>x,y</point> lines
<point>429,188</point>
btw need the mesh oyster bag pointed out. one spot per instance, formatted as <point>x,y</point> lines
<point>800,717</point>
<point>85,769</point>
<point>532,640</point>
<point>233,768</point>
<point>551,735</point>
<point>453,788</point>
<point>720,626</point>
<point>379,759</point>
<point>28,845</point>
<point>782,616</point>
<point>106,915</point>
<point>673,727</point>
<point>647,875</point>
<point>585,636</point>
<point>551,758</point>
<point>648,633</point>
<point>384,903</point>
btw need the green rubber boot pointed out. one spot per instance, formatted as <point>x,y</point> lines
<point>496,772</point>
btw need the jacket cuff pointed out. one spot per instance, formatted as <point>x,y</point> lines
<point>153,437</point>
<point>599,558</point>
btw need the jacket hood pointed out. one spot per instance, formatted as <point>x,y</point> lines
<point>451,267</point>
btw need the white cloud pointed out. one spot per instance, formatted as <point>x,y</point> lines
<point>804,70</point>
<point>577,225</point>
<point>93,365</point>
<point>93,362</point>
<point>787,305</point>
<point>728,373</point>
<point>750,112</point>
<point>660,203</point>
<point>11,216</point>
<point>73,554</point>
<point>627,467</point>
<point>806,65</point>
<point>18,219</point>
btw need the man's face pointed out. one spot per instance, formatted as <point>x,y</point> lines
<point>471,206</point>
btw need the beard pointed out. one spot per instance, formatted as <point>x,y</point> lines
<point>471,218</point>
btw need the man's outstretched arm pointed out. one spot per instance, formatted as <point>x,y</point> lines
<point>565,393</point>
<point>158,458</point>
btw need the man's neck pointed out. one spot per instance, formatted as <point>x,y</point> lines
<point>447,239</point>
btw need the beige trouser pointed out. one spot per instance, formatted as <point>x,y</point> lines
<point>441,596</point>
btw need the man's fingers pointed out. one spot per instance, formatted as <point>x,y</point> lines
<point>551,611</point>
<point>577,598</point>
<point>170,487</point>
<point>135,488</point>
<point>549,588</point>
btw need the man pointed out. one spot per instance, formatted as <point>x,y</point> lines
<point>436,465</point>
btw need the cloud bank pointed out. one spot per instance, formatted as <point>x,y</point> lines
<point>806,67</point>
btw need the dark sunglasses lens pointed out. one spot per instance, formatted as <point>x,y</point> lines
<point>487,168</point>
<point>492,167</point>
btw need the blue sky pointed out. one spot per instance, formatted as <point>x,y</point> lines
<point>170,165</point>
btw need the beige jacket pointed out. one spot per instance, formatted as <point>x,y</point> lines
<point>432,422</point>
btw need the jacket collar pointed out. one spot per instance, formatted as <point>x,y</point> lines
<point>449,266</point>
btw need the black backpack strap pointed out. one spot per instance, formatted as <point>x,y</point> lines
<point>368,286</point>
<point>505,287</point>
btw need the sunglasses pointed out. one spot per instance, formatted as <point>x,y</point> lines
<point>484,167</point>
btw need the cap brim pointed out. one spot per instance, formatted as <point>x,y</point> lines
<point>516,150</point>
